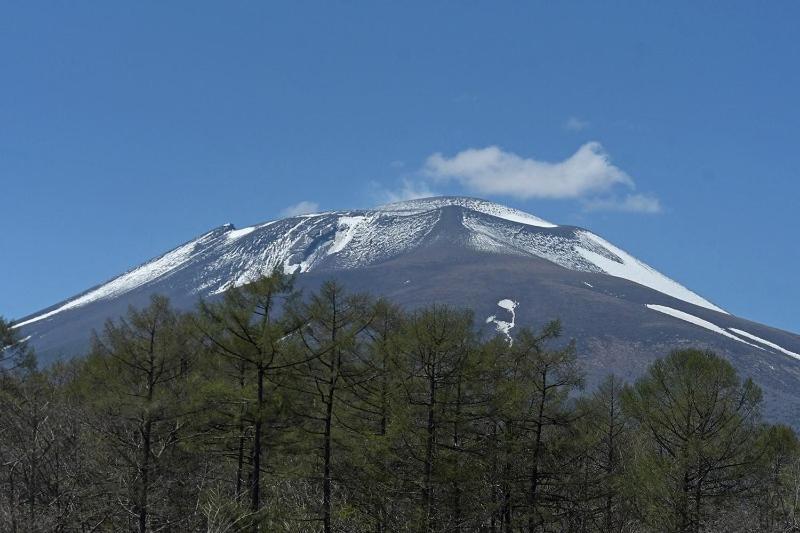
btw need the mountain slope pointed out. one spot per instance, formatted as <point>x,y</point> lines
<point>227,256</point>
<point>462,251</point>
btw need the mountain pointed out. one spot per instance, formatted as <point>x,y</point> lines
<point>513,268</point>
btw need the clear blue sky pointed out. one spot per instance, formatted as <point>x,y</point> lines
<point>128,128</point>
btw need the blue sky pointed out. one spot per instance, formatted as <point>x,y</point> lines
<point>671,130</point>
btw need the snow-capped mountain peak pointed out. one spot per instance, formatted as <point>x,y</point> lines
<point>228,257</point>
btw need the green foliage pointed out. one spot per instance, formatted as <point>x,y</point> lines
<point>268,410</point>
<point>699,428</point>
<point>135,387</point>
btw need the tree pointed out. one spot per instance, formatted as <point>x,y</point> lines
<point>248,331</point>
<point>603,431</point>
<point>333,339</point>
<point>14,351</point>
<point>45,482</point>
<point>698,426</point>
<point>777,481</point>
<point>334,412</point>
<point>434,350</point>
<point>136,386</point>
<point>544,380</point>
<point>374,488</point>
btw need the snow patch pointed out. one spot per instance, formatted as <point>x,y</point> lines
<point>588,284</point>
<point>345,231</point>
<point>501,325</point>
<point>239,233</point>
<point>630,268</point>
<point>508,305</point>
<point>698,322</point>
<point>765,342</point>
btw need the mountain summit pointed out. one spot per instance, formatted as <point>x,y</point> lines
<point>462,251</point>
<point>226,257</point>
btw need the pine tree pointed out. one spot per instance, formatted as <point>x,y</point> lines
<point>135,386</point>
<point>698,428</point>
<point>603,430</point>
<point>375,489</point>
<point>334,349</point>
<point>530,414</point>
<point>777,481</point>
<point>249,331</point>
<point>334,412</point>
<point>434,351</point>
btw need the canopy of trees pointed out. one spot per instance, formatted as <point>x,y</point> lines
<point>269,410</point>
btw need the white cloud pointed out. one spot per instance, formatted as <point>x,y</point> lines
<point>632,203</point>
<point>408,191</point>
<point>492,171</point>
<point>301,208</point>
<point>575,124</point>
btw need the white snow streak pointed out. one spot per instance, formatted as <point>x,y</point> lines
<point>634,270</point>
<point>765,342</point>
<point>698,322</point>
<point>166,264</point>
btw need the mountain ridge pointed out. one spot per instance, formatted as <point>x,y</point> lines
<point>594,253</point>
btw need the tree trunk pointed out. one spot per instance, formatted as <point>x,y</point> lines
<point>456,444</point>
<point>336,361</point>
<point>147,434</point>
<point>533,493</point>
<point>610,466</point>
<point>427,491</point>
<point>144,471</point>
<point>240,451</point>
<point>326,480</point>
<point>255,503</point>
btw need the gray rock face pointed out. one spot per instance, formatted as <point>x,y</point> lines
<point>465,252</point>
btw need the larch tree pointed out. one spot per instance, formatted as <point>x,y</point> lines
<point>136,384</point>
<point>435,349</point>
<point>699,425</point>
<point>249,331</point>
<point>333,347</point>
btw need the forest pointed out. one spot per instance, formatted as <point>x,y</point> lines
<point>276,410</point>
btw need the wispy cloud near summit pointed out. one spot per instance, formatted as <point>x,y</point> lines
<point>300,208</point>
<point>587,176</point>
<point>408,190</point>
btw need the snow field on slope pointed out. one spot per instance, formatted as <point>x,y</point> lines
<point>697,321</point>
<point>355,240</point>
<point>586,253</point>
<point>164,265</point>
<point>412,207</point>
<point>634,270</point>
